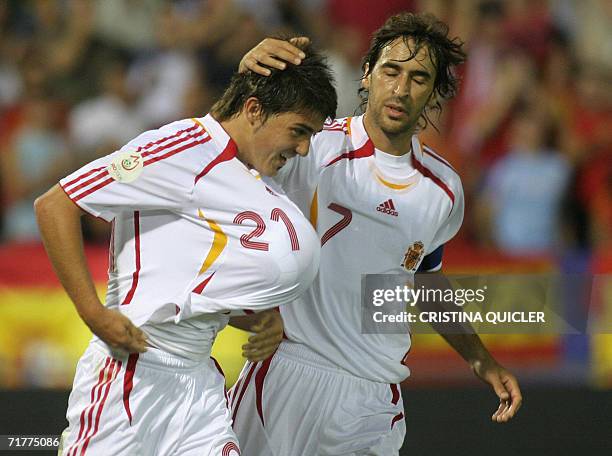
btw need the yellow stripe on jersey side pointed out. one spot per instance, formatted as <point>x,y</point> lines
<point>314,210</point>
<point>391,185</point>
<point>348,126</point>
<point>219,243</point>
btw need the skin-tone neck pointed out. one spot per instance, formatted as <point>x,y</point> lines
<point>398,144</point>
<point>238,129</point>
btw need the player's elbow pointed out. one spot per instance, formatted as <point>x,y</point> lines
<point>53,203</point>
<point>41,206</point>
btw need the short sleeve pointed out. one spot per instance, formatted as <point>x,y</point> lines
<point>156,170</point>
<point>452,224</point>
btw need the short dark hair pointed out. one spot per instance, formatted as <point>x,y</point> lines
<point>304,88</point>
<point>426,30</point>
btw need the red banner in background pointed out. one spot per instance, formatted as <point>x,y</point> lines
<point>41,336</point>
<point>28,265</point>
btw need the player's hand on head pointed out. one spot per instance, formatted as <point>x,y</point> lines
<point>117,330</point>
<point>273,53</point>
<point>505,386</point>
<point>268,334</point>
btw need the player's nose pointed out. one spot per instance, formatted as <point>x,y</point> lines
<point>302,148</point>
<point>402,87</point>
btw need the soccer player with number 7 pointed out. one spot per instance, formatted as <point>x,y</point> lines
<point>382,203</point>
<point>196,235</point>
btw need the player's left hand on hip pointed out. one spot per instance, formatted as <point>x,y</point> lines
<point>505,386</point>
<point>268,334</point>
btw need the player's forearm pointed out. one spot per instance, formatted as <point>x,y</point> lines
<point>459,335</point>
<point>470,347</point>
<point>59,221</point>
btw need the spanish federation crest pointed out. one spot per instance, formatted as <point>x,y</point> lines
<point>413,256</point>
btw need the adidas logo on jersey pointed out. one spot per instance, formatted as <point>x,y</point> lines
<point>387,207</point>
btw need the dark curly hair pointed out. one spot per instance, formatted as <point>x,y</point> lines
<point>303,88</point>
<point>425,30</point>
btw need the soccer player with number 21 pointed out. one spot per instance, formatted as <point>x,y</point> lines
<point>196,235</point>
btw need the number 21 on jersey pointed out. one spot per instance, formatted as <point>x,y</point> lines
<point>276,216</point>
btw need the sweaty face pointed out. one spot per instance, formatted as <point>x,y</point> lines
<point>281,137</point>
<point>399,89</point>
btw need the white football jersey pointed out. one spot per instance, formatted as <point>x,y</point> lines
<point>375,213</point>
<point>196,234</point>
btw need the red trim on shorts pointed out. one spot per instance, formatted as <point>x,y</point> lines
<point>106,391</point>
<point>230,446</point>
<point>105,378</point>
<point>136,274</point>
<point>234,390</point>
<point>395,392</point>
<point>364,151</point>
<point>128,383</point>
<point>259,383</point>
<point>396,418</point>
<point>244,387</point>
<point>427,173</point>
<point>228,153</point>
<point>91,404</point>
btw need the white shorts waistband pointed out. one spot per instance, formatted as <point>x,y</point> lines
<point>153,357</point>
<point>303,354</point>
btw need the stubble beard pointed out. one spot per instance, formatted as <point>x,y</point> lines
<point>394,128</point>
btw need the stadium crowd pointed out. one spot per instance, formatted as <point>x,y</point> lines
<point>529,131</point>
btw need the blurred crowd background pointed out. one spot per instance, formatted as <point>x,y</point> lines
<point>530,130</point>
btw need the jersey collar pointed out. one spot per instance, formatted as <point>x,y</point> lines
<point>359,137</point>
<point>357,131</point>
<point>217,132</point>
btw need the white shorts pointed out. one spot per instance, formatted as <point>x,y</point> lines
<point>298,404</point>
<point>147,405</point>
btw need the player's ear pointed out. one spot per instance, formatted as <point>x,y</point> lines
<point>365,80</point>
<point>253,111</point>
<point>432,101</point>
